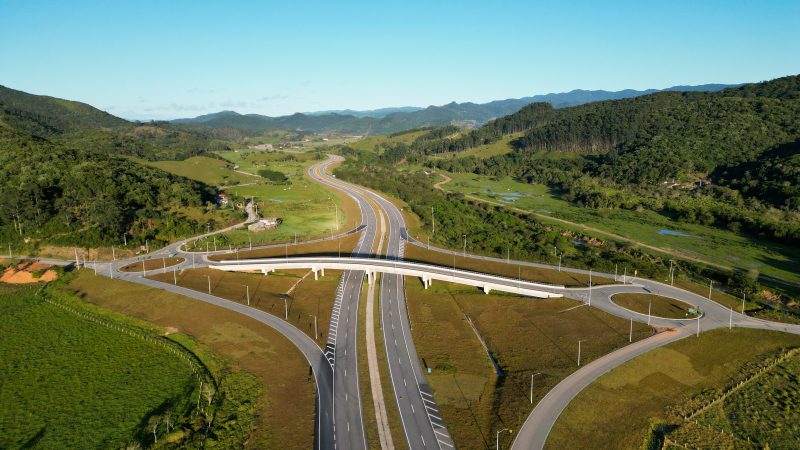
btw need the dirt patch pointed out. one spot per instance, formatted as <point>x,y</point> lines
<point>29,273</point>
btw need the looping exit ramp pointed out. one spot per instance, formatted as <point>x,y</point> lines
<point>425,272</point>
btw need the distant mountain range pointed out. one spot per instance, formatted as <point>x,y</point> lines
<point>392,120</point>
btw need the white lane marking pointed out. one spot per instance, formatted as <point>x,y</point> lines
<point>404,382</point>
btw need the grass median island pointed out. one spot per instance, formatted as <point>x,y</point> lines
<point>151,264</point>
<point>67,381</point>
<point>283,398</point>
<point>330,247</point>
<point>420,254</point>
<point>526,336</point>
<point>656,305</point>
<point>271,293</point>
<point>621,408</point>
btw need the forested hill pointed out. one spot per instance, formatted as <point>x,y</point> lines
<point>729,159</point>
<point>388,121</point>
<point>78,125</point>
<point>64,180</point>
<point>649,139</point>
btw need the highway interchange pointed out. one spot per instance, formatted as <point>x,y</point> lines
<point>339,420</point>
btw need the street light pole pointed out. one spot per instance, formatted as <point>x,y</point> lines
<point>743,297</point>
<point>286,310</point>
<point>630,334</point>
<point>248,294</point>
<point>559,261</point>
<point>209,283</point>
<point>533,375</point>
<point>590,287</point>
<point>649,307</point>
<point>579,352</point>
<point>497,437</point>
<point>465,245</point>
<point>710,284</point>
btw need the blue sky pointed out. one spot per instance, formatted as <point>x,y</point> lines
<point>168,59</point>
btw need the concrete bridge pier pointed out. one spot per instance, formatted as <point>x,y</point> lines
<point>426,281</point>
<point>370,277</point>
<point>267,271</point>
<point>486,289</point>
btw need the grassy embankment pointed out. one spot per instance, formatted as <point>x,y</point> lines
<point>656,305</point>
<point>151,264</point>
<point>270,293</point>
<point>417,253</point>
<point>67,381</point>
<point>526,336</point>
<point>330,247</point>
<point>284,407</point>
<point>617,410</point>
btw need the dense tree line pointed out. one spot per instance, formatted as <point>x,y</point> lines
<point>71,196</point>
<point>496,230</point>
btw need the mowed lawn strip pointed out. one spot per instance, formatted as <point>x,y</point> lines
<point>151,264</point>
<point>656,305</point>
<point>420,254</point>
<point>287,404</point>
<point>330,247</point>
<point>616,410</point>
<point>526,336</point>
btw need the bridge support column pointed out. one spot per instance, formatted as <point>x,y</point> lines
<point>314,269</point>
<point>426,281</point>
<point>267,271</point>
<point>486,289</point>
<point>370,277</point>
<point>323,271</point>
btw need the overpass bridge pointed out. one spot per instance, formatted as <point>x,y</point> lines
<point>371,266</point>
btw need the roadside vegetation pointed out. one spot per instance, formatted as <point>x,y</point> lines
<point>287,293</point>
<point>653,396</point>
<point>270,387</point>
<point>525,337</point>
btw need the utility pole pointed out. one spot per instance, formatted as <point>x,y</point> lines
<point>730,321</point>
<point>248,294</point>
<point>625,275</point>
<point>579,353</point>
<point>649,307</point>
<point>77,260</point>
<point>250,240</point>
<point>192,260</point>
<point>215,243</point>
<point>433,225</point>
<point>743,297</point>
<point>9,249</point>
<point>615,272</point>
<point>465,245</point>
<point>671,274</point>
<point>164,262</point>
<point>209,283</point>
<point>113,254</point>
<point>508,255</point>
<point>698,324</point>
<point>125,240</point>
<point>144,269</point>
<point>146,246</point>
<point>285,309</point>
<point>710,284</point>
<point>175,276</point>
<point>559,261</point>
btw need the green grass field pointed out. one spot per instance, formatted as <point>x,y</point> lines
<point>306,208</point>
<point>206,170</point>
<point>370,143</point>
<point>765,412</point>
<point>616,410</point>
<point>526,336</point>
<point>67,382</point>
<point>656,305</point>
<point>707,243</point>
<point>284,400</point>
